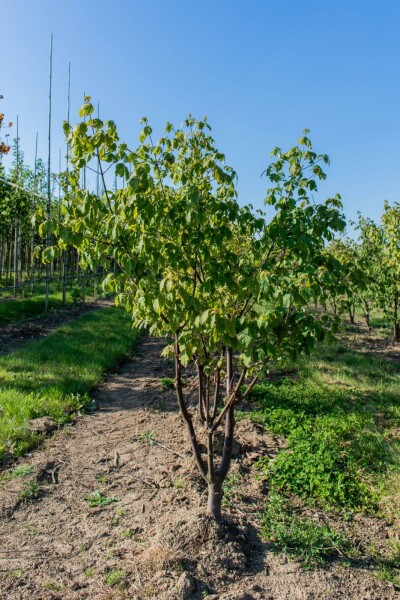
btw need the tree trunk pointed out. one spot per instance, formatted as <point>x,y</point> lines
<point>396,325</point>
<point>215,500</point>
<point>367,312</point>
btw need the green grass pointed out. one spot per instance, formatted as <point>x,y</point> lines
<point>115,577</point>
<point>19,471</point>
<point>13,311</point>
<point>52,377</point>
<point>339,416</point>
<point>167,382</point>
<point>300,536</point>
<point>32,303</point>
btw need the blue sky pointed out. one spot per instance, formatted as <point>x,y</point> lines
<point>260,70</point>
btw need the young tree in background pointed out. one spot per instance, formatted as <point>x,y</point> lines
<point>351,279</point>
<point>381,245</point>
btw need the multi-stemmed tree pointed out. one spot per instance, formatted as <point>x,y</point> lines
<point>229,290</point>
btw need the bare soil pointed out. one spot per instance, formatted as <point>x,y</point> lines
<point>154,540</point>
<point>375,342</point>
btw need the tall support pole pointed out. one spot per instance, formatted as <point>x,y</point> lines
<point>59,214</point>
<point>34,210</point>
<point>48,239</point>
<point>65,253</point>
<point>84,187</point>
<point>16,222</point>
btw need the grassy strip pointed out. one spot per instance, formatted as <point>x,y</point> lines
<point>12,311</point>
<point>340,416</point>
<point>52,377</point>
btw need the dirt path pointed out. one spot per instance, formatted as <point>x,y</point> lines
<point>153,541</point>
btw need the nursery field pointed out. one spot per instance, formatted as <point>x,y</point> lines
<point>100,496</point>
<point>230,428</point>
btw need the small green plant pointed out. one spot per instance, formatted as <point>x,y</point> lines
<point>30,529</point>
<point>17,573</point>
<point>81,403</point>
<point>19,471</point>
<point>50,585</point>
<point>101,478</point>
<point>121,512</point>
<point>115,577</point>
<point>229,488</point>
<point>98,499</point>
<point>128,533</point>
<point>31,491</point>
<point>388,563</point>
<point>147,436</point>
<point>302,537</point>
<point>76,295</point>
<point>167,382</point>
<point>89,572</point>
<point>179,484</point>
<point>160,406</point>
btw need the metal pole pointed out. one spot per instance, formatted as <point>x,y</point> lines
<point>34,210</point>
<point>16,222</point>
<point>48,240</point>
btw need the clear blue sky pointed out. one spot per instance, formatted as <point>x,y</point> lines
<point>261,71</point>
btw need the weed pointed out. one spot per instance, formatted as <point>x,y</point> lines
<point>101,478</point>
<point>17,573</point>
<point>50,585</point>
<point>115,577</point>
<point>388,563</point>
<point>121,512</point>
<point>160,406</point>
<point>302,537</point>
<point>128,533</point>
<point>98,499</point>
<point>31,491</point>
<point>19,471</point>
<point>167,382</point>
<point>179,484</point>
<point>147,436</point>
<point>228,488</point>
<point>30,529</point>
<point>76,295</point>
<point>89,572</point>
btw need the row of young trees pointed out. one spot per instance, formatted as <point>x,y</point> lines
<point>24,193</point>
<point>369,267</point>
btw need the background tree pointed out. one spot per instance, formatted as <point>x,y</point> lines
<point>228,289</point>
<point>381,243</point>
<point>349,270</point>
